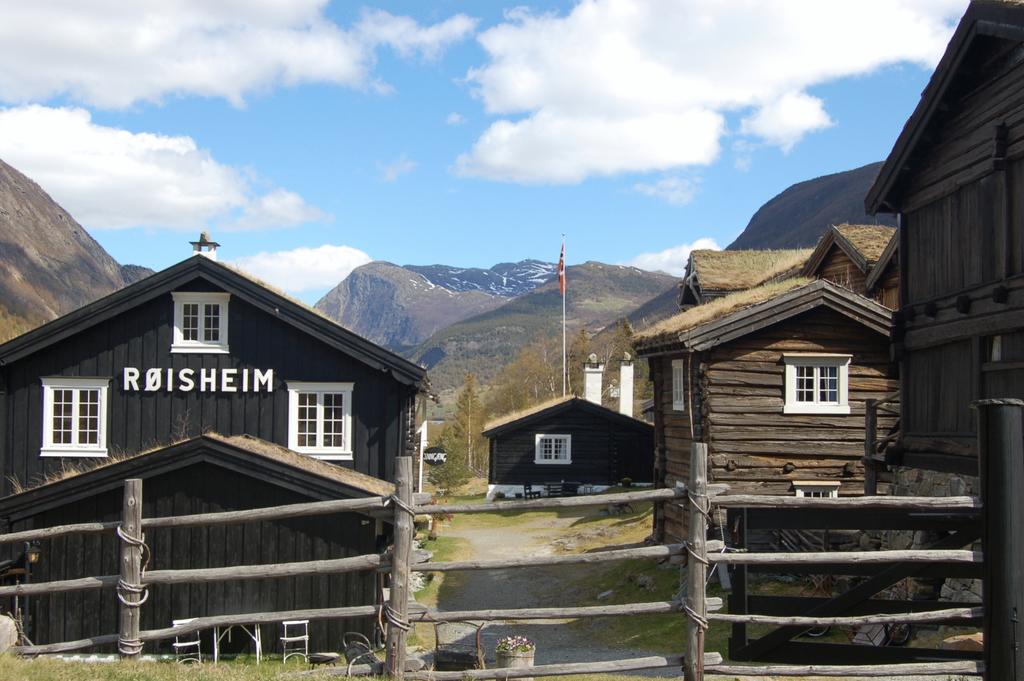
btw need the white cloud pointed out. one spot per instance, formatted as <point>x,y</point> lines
<point>113,54</point>
<point>455,118</point>
<point>109,178</point>
<point>678,191</point>
<point>400,166</point>
<point>672,260</point>
<point>577,93</point>
<point>304,269</point>
<point>786,120</point>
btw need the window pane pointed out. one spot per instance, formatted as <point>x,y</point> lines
<point>307,429</point>
<point>334,420</point>
<point>828,385</point>
<point>211,323</point>
<point>63,417</point>
<point>190,321</point>
<point>805,384</point>
<point>88,417</point>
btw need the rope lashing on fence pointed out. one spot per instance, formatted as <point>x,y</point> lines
<point>703,506</point>
<point>393,499</point>
<point>132,595</point>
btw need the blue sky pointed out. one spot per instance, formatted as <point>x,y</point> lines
<point>310,137</point>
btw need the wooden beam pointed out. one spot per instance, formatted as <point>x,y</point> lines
<point>568,669</point>
<point>861,557</point>
<point>967,668</point>
<point>947,615</point>
<point>937,504</point>
<point>663,494</point>
<point>697,565</point>
<point>398,607</point>
<point>666,551</point>
<point>57,531</point>
<point>129,591</point>
<point>256,515</point>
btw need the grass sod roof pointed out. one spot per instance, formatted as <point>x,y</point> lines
<point>739,270</point>
<point>668,330</point>
<point>247,443</point>
<point>869,240</point>
<point>523,413</point>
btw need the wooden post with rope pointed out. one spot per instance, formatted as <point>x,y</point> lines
<point>130,592</point>
<point>696,564</point>
<point>397,608</point>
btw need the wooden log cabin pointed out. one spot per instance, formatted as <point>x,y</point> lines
<point>774,380</point>
<point>955,179</point>
<point>860,258</point>
<point>197,349</point>
<point>714,274</point>
<point>571,445</point>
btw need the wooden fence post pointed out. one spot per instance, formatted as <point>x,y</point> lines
<point>697,564</point>
<point>130,592</point>
<point>1001,454</point>
<point>401,555</point>
<point>870,440</point>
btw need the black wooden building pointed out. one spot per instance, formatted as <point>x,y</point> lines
<point>955,178</point>
<point>206,474</point>
<point>571,441</point>
<point>198,348</point>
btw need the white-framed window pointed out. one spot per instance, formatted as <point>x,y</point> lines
<point>817,384</point>
<point>74,416</point>
<point>819,489</point>
<point>200,322</point>
<point>320,419</point>
<point>550,448</point>
<point>678,385</point>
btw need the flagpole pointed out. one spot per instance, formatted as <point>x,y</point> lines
<point>565,366</point>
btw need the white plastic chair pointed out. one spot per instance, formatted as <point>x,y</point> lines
<point>295,639</point>
<point>187,649</point>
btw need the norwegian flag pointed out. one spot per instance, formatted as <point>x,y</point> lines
<point>561,270</point>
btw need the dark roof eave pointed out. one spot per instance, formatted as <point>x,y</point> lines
<point>574,403</point>
<point>996,19</point>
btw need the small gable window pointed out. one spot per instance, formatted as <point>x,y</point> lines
<point>678,385</point>
<point>818,489</point>
<point>200,322</point>
<point>817,384</point>
<point>74,416</point>
<point>320,419</point>
<point>553,448</point>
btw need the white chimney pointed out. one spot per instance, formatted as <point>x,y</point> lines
<point>205,246</point>
<point>626,385</point>
<point>592,372</point>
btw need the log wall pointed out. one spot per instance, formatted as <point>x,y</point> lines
<point>838,268</point>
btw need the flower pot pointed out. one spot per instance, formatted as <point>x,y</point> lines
<point>515,660</point>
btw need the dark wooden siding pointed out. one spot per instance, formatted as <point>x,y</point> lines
<point>740,401</point>
<point>838,268</point>
<point>203,488</point>
<point>603,452</point>
<point>141,338</point>
<point>678,434</point>
<point>887,290</point>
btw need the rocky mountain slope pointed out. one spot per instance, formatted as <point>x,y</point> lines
<point>49,265</point>
<point>598,295</point>
<point>798,216</point>
<point>399,307</point>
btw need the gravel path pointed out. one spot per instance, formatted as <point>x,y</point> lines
<point>525,588</point>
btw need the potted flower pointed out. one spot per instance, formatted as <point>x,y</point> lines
<point>515,652</point>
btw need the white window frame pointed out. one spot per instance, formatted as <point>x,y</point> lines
<point>678,375</point>
<point>201,298</point>
<point>825,489</point>
<point>842,362</point>
<point>49,447</point>
<point>343,453</point>
<point>558,462</point>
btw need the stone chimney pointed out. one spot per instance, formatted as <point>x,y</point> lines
<point>592,372</point>
<point>205,246</point>
<point>626,385</point>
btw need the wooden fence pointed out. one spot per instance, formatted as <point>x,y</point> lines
<point>131,584</point>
